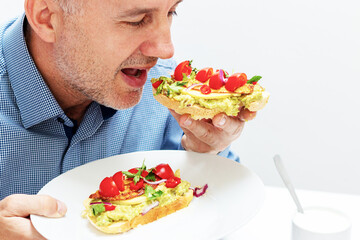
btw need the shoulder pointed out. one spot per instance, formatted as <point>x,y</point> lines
<point>3,27</point>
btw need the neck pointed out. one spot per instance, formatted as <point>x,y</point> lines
<point>73,103</point>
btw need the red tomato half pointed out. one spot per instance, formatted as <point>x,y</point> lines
<point>183,67</point>
<point>164,171</point>
<point>235,81</point>
<point>118,178</point>
<point>108,188</point>
<point>135,171</point>
<point>172,182</point>
<point>217,80</point>
<point>204,74</point>
<point>137,186</point>
<point>157,84</point>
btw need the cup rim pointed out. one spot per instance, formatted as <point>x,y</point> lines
<point>346,228</point>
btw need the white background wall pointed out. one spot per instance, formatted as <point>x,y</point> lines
<point>308,53</point>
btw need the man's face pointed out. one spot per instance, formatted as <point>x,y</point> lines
<point>104,53</point>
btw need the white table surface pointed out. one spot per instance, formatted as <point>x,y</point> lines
<point>273,220</point>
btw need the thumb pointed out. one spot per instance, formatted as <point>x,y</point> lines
<point>246,115</point>
<point>21,205</point>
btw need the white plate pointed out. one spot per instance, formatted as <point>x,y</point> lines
<point>234,196</point>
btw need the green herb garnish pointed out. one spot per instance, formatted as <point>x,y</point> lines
<point>137,175</point>
<point>176,87</point>
<point>98,208</point>
<point>254,79</point>
<point>150,177</point>
<point>151,194</point>
<point>128,174</point>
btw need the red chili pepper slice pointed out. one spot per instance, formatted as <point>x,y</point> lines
<point>172,182</point>
<point>109,207</point>
<point>205,89</point>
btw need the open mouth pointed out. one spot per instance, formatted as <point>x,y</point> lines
<point>134,77</point>
<point>133,72</point>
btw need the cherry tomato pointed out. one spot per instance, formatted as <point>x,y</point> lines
<point>183,67</point>
<point>109,207</point>
<point>157,84</point>
<point>235,81</point>
<point>108,188</point>
<point>118,178</point>
<point>172,182</point>
<point>135,171</point>
<point>217,80</point>
<point>205,89</point>
<point>204,74</point>
<point>137,186</point>
<point>164,171</point>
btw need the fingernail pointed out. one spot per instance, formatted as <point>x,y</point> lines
<point>222,121</point>
<point>61,208</point>
<point>188,122</point>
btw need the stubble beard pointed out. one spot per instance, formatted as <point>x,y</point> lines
<point>85,76</point>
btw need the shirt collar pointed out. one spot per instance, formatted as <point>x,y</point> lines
<point>34,98</point>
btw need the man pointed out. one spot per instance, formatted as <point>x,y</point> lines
<point>64,69</point>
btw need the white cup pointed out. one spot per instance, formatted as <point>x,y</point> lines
<point>320,223</point>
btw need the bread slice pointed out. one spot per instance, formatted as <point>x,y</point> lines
<point>154,214</point>
<point>198,112</point>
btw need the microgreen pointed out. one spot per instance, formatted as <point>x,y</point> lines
<point>176,87</point>
<point>254,79</point>
<point>150,177</point>
<point>151,194</point>
<point>137,176</point>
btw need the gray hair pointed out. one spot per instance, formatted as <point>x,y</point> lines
<point>70,6</point>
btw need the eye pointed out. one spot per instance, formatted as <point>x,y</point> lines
<point>137,24</point>
<point>145,20</point>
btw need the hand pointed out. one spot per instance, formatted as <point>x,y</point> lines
<point>211,136</point>
<point>16,209</point>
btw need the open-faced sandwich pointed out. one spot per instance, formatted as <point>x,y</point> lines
<point>137,197</point>
<point>206,92</point>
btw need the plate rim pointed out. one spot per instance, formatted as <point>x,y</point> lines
<point>217,236</point>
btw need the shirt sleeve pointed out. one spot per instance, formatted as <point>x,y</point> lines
<point>173,135</point>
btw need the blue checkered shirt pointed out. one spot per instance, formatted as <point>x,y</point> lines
<point>38,141</point>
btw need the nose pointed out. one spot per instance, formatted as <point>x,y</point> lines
<point>159,43</point>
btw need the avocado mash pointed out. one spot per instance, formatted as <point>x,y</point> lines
<point>226,101</point>
<point>125,212</point>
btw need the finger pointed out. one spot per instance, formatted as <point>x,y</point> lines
<point>18,228</point>
<point>233,126</point>
<point>20,205</point>
<point>191,143</point>
<point>175,115</point>
<point>202,130</point>
<point>246,115</point>
<point>200,135</point>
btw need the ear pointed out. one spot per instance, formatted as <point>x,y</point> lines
<point>43,17</point>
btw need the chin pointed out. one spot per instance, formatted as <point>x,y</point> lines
<point>126,101</point>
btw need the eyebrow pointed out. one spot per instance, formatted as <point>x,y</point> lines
<point>140,11</point>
